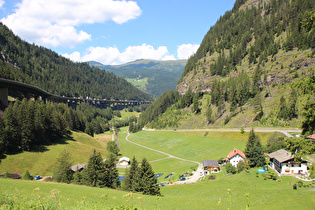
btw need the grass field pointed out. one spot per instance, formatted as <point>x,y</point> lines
<point>194,145</point>
<point>222,193</point>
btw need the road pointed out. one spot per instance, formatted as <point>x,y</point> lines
<point>284,131</point>
<point>196,175</point>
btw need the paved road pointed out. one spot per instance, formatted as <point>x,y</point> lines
<point>284,131</point>
<point>195,177</point>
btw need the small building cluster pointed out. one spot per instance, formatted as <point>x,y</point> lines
<point>282,161</point>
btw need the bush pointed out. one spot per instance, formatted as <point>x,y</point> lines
<point>27,176</point>
<point>294,187</point>
<point>300,183</point>
<point>212,177</point>
<point>230,168</point>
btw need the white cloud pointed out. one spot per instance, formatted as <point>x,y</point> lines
<point>112,55</point>
<point>54,22</point>
<point>168,58</point>
<point>1,3</point>
<point>184,51</point>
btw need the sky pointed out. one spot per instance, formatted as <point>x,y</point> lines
<point>114,32</point>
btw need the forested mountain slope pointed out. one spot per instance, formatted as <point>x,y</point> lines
<point>151,76</point>
<point>265,34</point>
<point>46,69</point>
<point>254,67</point>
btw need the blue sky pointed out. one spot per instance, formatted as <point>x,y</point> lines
<point>114,32</point>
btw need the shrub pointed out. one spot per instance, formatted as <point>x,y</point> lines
<point>212,177</point>
<point>230,168</point>
<point>300,183</point>
<point>294,187</point>
<point>27,176</point>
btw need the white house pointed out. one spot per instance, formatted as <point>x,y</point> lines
<point>124,161</point>
<point>235,156</point>
<point>283,162</point>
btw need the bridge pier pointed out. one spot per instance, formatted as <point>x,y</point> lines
<point>4,96</point>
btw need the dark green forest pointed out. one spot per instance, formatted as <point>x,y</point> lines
<point>253,31</point>
<point>29,124</point>
<point>46,69</point>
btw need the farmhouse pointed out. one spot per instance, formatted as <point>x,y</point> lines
<point>283,162</point>
<point>235,156</point>
<point>211,165</point>
<point>124,161</point>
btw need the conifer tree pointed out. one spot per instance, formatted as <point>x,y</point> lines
<point>145,181</point>
<point>130,175</point>
<point>108,175</point>
<point>283,112</point>
<point>254,151</point>
<point>62,171</point>
<point>209,114</point>
<point>90,175</point>
<point>77,177</point>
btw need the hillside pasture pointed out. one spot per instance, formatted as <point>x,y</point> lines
<point>42,161</point>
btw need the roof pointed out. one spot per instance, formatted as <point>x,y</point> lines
<point>124,159</point>
<point>210,163</point>
<point>13,176</point>
<point>281,155</point>
<point>78,167</point>
<point>236,151</point>
<point>311,136</point>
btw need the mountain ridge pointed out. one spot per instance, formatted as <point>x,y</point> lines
<point>159,76</point>
<point>51,72</point>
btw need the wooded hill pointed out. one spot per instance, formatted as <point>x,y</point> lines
<point>158,76</point>
<point>255,67</point>
<point>46,69</point>
<point>267,33</point>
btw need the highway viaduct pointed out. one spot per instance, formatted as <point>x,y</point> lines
<point>11,87</point>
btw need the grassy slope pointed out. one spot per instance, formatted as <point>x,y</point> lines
<point>263,194</point>
<point>80,145</point>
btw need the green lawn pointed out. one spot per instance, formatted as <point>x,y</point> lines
<point>138,83</point>
<point>191,146</point>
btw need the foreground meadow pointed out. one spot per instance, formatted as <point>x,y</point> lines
<point>234,192</point>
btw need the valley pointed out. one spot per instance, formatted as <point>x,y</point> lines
<point>231,127</point>
<point>239,190</point>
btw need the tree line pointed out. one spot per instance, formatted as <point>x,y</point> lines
<point>27,124</point>
<point>46,69</point>
<point>103,173</point>
<point>97,173</point>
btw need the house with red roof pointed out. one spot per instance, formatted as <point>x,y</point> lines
<point>235,156</point>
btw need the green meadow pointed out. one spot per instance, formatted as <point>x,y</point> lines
<point>225,192</point>
<point>42,161</point>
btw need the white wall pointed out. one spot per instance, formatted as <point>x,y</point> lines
<point>236,159</point>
